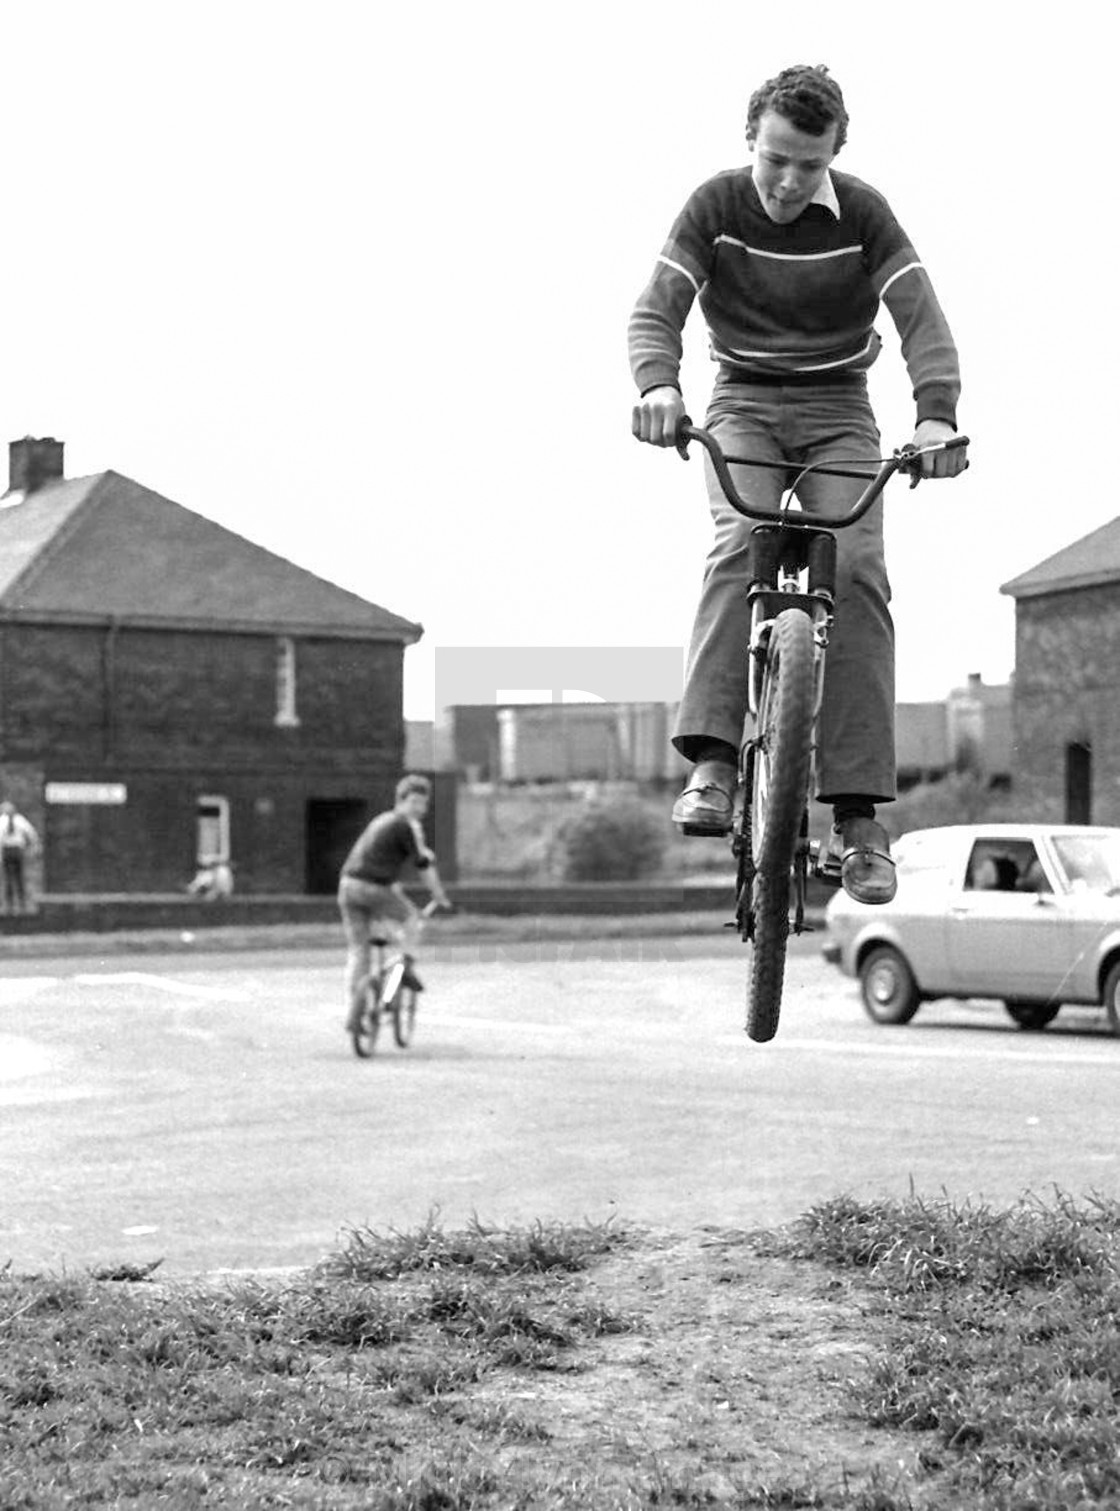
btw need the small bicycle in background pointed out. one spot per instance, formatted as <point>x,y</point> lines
<point>791,589</point>
<point>390,990</point>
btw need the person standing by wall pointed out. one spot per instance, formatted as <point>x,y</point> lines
<point>213,881</point>
<point>18,842</point>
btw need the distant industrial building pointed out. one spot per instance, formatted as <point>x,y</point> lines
<point>556,742</point>
<point>969,731</point>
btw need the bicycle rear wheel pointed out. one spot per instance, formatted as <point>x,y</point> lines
<point>364,1037</point>
<point>779,787</point>
<point>404,1015</point>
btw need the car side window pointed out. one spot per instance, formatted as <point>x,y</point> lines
<point>990,869</point>
<point>998,865</point>
<point>1033,878</point>
<point>982,875</point>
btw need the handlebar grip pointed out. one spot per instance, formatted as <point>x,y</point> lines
<point>910,457</point>
<point>683,424</point>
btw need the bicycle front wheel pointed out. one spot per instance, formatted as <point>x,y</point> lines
<point>364,1036</point>
<point>404,1015</point>
<point>779,788</point>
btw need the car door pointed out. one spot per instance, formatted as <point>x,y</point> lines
<point>1009,933</point>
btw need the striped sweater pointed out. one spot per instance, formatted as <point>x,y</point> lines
<point>799,298</point>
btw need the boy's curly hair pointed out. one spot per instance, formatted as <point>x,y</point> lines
<point>410,783</point>
<point>807,97</point>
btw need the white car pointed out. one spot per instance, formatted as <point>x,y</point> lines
<point>1028,913</point>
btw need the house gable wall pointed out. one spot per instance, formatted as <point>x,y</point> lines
<point>1067,691</point>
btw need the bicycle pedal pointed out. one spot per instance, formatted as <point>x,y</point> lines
<point>704,831</point>
<point>823,864</point>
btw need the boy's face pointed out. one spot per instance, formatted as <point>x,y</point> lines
<point>415,805</point>
<point>789,165</point>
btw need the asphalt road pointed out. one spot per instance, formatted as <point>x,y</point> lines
<point>207,1110</point>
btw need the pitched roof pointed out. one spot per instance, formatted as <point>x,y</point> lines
<point>1088,562</point>
<point>105,547</point>
<point>27,526</point>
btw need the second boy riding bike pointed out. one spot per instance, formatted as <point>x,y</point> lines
<point>791,588</point>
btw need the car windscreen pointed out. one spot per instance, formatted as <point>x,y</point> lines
<point>1090,861</point>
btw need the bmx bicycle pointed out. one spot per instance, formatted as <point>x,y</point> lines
<point>390,990</point>
<point>791,590</point>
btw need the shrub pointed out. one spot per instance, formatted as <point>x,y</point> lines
<point>617,841</point>
<point>962,798</point>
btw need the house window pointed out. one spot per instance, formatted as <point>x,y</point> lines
<point>213,830</point>
<point>286,682</point>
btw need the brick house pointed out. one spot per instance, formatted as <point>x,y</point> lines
<point>1066,701</point>
<point>171,692</point>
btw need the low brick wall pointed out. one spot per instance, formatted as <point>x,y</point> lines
<point>108,913</point>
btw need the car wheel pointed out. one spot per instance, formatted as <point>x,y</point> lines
<point>1111,998</point>
<point>1032,1015</point>
<point>890,993</point>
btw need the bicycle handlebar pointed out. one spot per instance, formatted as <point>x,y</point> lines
<point>905,459</point>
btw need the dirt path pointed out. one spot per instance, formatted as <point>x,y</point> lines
<point>739,1372</point>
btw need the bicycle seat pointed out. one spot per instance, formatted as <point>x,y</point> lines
<point>379,941</point>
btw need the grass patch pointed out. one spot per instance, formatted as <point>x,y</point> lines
<point>474,1370</point>
<point>538,1249</point>
<point>326,1391</point>
<point>1005,1345</point>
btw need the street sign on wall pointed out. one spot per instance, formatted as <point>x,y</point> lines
<point>86,792</point>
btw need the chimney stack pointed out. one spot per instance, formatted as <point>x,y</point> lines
<point>33,462</point>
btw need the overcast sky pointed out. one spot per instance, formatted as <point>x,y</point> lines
<point>353,280</point>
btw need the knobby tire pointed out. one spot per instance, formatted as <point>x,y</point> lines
<point>780,784</point>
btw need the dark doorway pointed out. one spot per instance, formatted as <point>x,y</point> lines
<point>333,824</point>
<point>1079,782</point>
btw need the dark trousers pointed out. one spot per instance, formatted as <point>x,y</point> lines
<point>15,896</point>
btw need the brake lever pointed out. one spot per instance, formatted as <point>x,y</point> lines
<point>909,461</point>
<point>910,458</point>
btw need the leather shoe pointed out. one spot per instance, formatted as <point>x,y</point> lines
<point>866,869</point>
<point>705,806</point>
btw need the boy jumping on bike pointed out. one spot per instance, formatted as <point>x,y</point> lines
<point>789,261</point>
<point>370,893</point>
